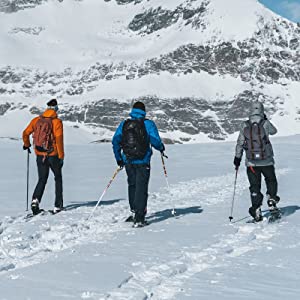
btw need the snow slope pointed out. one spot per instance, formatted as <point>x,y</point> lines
<point>205,53</point>
<point>196,255</point>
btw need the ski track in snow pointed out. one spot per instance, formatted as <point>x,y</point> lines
<point>27,242</point>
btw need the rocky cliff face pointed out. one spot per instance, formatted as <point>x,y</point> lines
<point>270,57</point>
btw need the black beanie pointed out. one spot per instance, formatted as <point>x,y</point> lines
<point>139,105</point>
<point>52,102</point>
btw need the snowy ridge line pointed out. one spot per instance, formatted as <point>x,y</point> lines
<point>25,243</point>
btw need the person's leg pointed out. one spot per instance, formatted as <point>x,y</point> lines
<point>131,180</point>
<point>271,180</point>
<point>254,177</point>
<point>272,185</point>
<point>57,171</point>
<point>43,173</point>
<point>141,191</point>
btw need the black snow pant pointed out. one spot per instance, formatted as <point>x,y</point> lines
<point>254,177</point>
<point>138,180</point>
<point>43,165</point>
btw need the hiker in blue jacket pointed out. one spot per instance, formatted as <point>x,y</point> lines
<point>132,146</point>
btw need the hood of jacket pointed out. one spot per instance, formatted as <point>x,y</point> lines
<point>137,113</point>
<point>257,108</point>
<point>50,113</point>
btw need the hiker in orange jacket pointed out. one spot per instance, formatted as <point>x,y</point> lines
<point>48,140</point>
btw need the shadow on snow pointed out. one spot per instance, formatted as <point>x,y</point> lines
<point>75,205</point>
<point>167,213</point>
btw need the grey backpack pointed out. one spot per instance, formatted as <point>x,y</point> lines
<point>257,144</point>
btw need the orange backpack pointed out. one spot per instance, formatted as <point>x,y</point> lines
<point>43,135</point>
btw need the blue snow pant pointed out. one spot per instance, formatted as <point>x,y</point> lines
<point>138,180</point>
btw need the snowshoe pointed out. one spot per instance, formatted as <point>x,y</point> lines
<point>256,214</point>
<point>140,224</point>
<point>275,215</point>
<point>130,219</point>
<point>55,211</point>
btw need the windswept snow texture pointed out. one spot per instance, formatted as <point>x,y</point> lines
<point>213,57</point>
<point>196,255</point>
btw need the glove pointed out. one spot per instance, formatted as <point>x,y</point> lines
<point>162,149</point>
<point>61,162</point>
<point>265,117</point>
<point>120,163</point>
<point>237,162</point>
<point>26,148</point>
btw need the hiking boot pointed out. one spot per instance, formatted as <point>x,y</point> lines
<point>256,213</point>
<point>35,206</point>
<point>139,220</point>
<point>272,202</point>
<point>56,210</point>
<point>140,224</point>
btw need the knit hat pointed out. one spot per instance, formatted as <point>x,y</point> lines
<point>139,105</point>
<point>52,104</point>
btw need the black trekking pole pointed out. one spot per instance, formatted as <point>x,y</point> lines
<point>27,189</point>
<point>232,204</point>
<point>166,176</point>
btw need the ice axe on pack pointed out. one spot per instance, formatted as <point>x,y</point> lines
<point>166,176</point>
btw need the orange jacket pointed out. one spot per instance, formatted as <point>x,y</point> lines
<point>58,143</point>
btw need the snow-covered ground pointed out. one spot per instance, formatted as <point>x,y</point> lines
<point>196,255</point>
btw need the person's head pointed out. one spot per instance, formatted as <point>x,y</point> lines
<point>52,104</point>
<point>139,105</point>
<point>257,108</point>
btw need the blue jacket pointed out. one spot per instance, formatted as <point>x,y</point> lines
<point>153,134</point>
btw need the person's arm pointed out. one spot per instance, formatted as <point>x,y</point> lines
<point>59,138</point>
<point>27,132</point>
<point>116,141</point>
<point>271,128</point>
<point>155,139</point>
<point>240,143</point>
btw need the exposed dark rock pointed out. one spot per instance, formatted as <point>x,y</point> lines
<point>187,115</point>
<point>12,6</point>
<point>4,108</point>
<point>155,19</point>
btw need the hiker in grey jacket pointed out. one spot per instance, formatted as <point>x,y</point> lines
<point>254,140</point>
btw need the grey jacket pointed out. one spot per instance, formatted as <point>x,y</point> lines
<point>270,129</point>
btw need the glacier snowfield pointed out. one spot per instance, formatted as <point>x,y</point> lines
<point>198,254</point>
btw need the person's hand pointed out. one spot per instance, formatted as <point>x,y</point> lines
<point>26,148</point>
<point>120,163</point>
<point>265,117</point>
<point>162,149</point>
<point>237,162</point>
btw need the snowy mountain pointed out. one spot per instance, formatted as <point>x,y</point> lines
<point>197,64</point>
